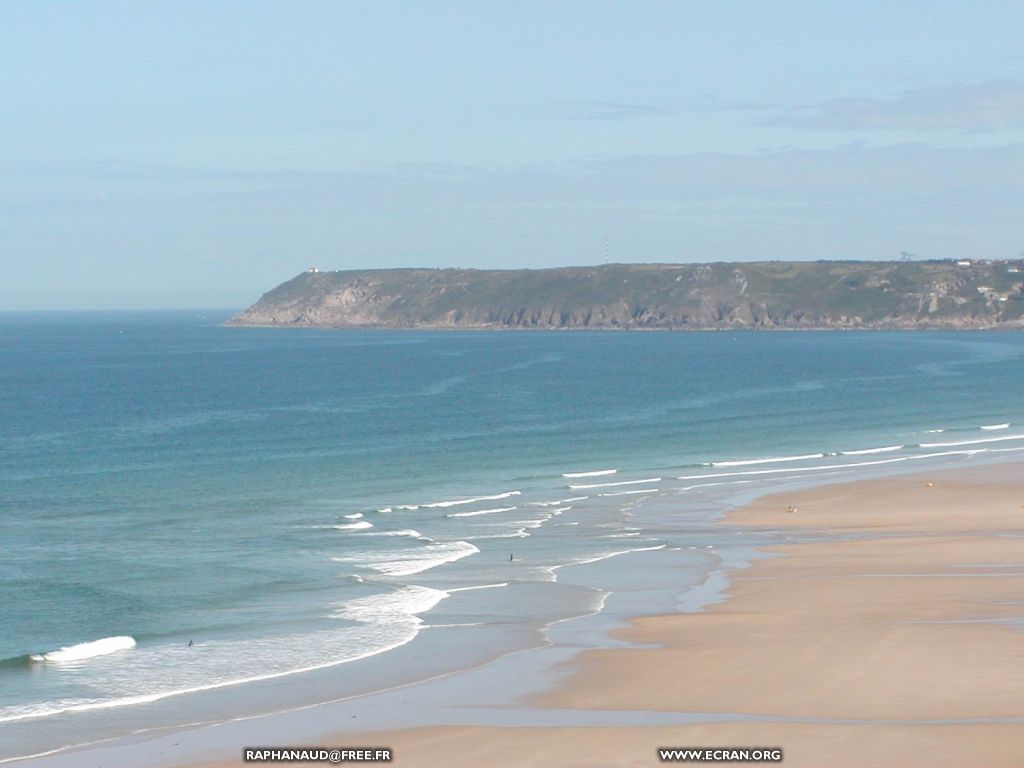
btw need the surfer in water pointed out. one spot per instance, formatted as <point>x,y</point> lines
<point>191,643</point>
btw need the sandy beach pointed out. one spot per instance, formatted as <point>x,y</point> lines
<point>884,632</point>
<point>893,645</point>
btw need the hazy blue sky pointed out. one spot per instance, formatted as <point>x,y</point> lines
<point>160,154</point>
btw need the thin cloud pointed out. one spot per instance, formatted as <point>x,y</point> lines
<point>613,110</point>
<point>988,107</point>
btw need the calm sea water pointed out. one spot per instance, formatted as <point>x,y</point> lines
<point>295,499</point>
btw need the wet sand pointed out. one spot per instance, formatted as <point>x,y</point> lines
<point>894,640</point>
<point>888,633</point>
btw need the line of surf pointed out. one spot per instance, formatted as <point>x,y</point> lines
<point>606,556</point>
<point>1002,439</point>
<point>402,606</point>
<point>517,534</point>
<point>88,650</point>
<point>610,485</point>
<point>86,705</point>
<point>594,473</point>
<point>556,502</point>
<point>868,451</point>
<point>773,460</point>
<point>459,502</point>
<point>358,525</point>
<point>825,467</point>
<point>481,586</point>
<point>411,533</point>
<point>406,562</point>
<point>476,512</point>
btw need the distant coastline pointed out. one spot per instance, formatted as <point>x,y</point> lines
<point>823,295</point>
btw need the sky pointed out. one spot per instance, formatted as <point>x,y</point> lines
<point>196,154</point>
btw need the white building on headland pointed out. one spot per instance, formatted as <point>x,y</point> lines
<point>313,269</point>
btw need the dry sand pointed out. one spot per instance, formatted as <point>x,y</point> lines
<point>887,643</point>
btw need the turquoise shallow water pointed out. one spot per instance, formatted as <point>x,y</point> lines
<point>297,499</point>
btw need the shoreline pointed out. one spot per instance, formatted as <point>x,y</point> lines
<point>553,715</point>
<point>850,661</point>
<point>1008,326</point>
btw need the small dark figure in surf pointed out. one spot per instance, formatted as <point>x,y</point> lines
<point>191,643</point>
<point>510,557</point>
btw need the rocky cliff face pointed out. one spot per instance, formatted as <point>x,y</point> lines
<point>763,295</point>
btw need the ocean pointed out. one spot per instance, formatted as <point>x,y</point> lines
<point>200,522</point>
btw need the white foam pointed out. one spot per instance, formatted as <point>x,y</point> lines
<point>594,473</point>
<point>934,431</point>
<point>530,523</point>
<point>866,451</point>
<point>402,605</point>
<point>709,485</point>
<point>408,532</point>
<point>621,482</point>
<point>973,442</point>
<point>476,512</point>
<point>773,460</point>
<point>997,426</point>
<point>354,516</point>
<point>556,502</point>
<point>372,638</point>
<point>459,502</point>
<point>384,510</point>
<point>405,562</point>
<point>88,650</point>
<point>628,493</point>
<point>971,452</point>
<point>518,534</point>
<point>606,556</point>
<point>835,466</point>
<point>793,469</point>
<point>353,526</point>
<point>481,586</point>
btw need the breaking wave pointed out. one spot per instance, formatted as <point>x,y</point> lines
<point>621,482</point>
<point>973,442</point>
<point>87,650</point>
<point>358,525</point>
<point>405,562</point>
<point>476,512</point>
<point>866,451</point>
<point>772,460</point>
